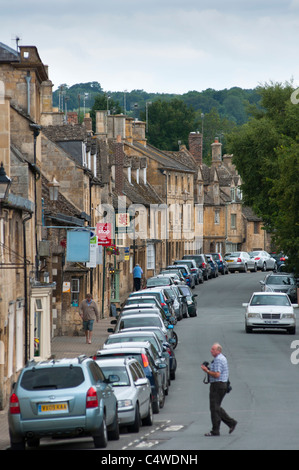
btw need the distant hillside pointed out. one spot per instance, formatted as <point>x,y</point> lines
<point>232,104</point>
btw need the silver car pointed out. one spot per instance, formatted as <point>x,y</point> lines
<point>132,390</point>
<point>65,398</point>
<point>240,261</point>
<point>270,310</point>
<point>264,260</point>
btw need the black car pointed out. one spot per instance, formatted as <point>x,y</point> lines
<point>222,264</point>
<point>202,263</point>
<point>213,265</point>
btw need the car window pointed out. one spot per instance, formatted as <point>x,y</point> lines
<point>140,371</point>
<point>279,300</point>
<point>96,372</point>
<point>52,378</point>
<point>121,372</point>
<point>133,372</point>
<point>278,280</point>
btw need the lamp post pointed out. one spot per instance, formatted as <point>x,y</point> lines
<point>53,189</point>
<point>5,183</point>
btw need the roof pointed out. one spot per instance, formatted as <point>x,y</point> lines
<point>7,54</point>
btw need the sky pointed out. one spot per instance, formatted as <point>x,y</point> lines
<point>159,46</point>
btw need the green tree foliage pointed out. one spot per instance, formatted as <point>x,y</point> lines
<point>169,122</point>
<point>266,153</point>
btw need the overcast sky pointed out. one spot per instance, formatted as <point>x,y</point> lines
<point>170,46</point>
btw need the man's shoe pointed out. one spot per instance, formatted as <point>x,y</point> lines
<point>232,428</point>
<point>211,433</point>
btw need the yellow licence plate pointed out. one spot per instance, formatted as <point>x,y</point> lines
<point>53,408</point>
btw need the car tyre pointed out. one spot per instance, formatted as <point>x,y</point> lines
<point>149,419</point>
<point>101,439</point>
<point>264,268</point>
<point>113,433</point>
<point>162,400</point>
<point>156,407</point>
<point>137,421</point>
<point>248,329</point>
<point>292,330</point>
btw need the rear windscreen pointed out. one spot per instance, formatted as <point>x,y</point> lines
<point>52,378</point>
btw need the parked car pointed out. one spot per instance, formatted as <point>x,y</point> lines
<point>280,282</point>
<point>264,260</point>
<point>174,294</point>
<point>182,301</point>
<point>189,278</point>
<point>190,299</point>
<point>240,261</point>
<point>222,264</point>
<point>280,258</point>
<point>126,336</point>
<point>176,271</point>
<point>197,273</point>
<point>160,294</point>
<point>163,340</point>
<point>65,398</point>
<point>214,266</point>
<point>270,310</point>
<point>159,280</point>
<point>132,390</point>
<point>139,299</point>
<point>202,263</point>
<point>147,308</point>
<point>153,353</point>
<point>145,360</point>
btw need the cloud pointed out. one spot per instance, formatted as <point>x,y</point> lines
<point>160,45</point>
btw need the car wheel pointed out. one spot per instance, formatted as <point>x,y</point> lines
<point>245,268</point>
<point>19,445</point>
<point>113,434</point>
<point>136,425</point>
<point>149,419</point>
<point>248,329</point>
<point>172,374</point>
<point>162,400</point>
<point>33,443</point>
<point>175,338</point>
<point>101,439</point>
<point>255,268</point>
<point>156,407</point>
<point>264,268</point>
<point>292,330</point>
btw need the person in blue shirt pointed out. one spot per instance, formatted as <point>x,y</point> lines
<point>218,374</point>
<point>137,275</point>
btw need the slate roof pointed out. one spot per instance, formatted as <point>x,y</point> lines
<point>7,54</point>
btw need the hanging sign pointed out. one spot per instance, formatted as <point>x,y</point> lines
<point>103,231</point>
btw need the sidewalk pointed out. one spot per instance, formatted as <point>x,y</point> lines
<point>65,346</point>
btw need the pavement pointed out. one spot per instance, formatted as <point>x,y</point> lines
<point>65,347</point>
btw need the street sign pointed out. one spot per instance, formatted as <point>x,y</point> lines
<point>104,234</point>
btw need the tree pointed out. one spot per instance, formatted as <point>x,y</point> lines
<point>266,152</point>
<point>169,122</point>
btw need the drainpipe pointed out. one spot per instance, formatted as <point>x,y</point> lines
<point>28,80</point>
<point>26,289</point>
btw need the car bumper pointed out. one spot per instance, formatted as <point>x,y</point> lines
<point>235,266</point>
<point>261,323</point>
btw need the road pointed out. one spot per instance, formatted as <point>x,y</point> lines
<point>264,399</point>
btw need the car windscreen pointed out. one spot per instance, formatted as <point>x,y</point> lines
<point>160,281</point>
<point>133,322</point>
<point>279,300</point>
<point>281,280</point>
<point>52,378</point>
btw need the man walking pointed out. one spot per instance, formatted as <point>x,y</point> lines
<point>137,274</point>
<point>88,311</point>
<point>218,375</point>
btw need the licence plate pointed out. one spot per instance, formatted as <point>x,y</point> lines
<point>229,260</point>
<point>271,322</point>
<point>53,408</point>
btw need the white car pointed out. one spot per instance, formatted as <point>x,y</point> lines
<point>240,261</point>
<point>270,310</point>
<point>132,390</point>
<point>264,260</point>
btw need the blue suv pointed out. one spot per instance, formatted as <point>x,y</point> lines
<point>63,398</point>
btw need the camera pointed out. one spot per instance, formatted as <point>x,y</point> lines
<point>206,364</point>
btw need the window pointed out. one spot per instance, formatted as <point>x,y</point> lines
<point>256,227</point>
<point>75,285</point>
<point>217,216</point>
<point>233,221</point>
<point>38,312</point>
<point>150,256</point>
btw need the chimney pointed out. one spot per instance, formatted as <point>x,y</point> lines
<point>119,164</point>
<point>195,146</point>
<point>87,122</point>
<point>216,152</point>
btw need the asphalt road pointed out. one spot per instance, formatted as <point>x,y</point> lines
<point>264,399</point>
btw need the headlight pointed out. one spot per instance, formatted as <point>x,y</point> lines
<point>288,315</point>
<point>254,315</point>
<point>189,302</point>
<point>124,403</point>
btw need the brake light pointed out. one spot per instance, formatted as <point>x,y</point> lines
<point>257,258</point>
<point>14,405</point>
<point>163,304</point>
<point>91,398</point>
<point>239,260</point>
<point>144,360</point>
<point>203,265</point>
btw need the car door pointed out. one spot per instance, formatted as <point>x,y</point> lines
<point>143,391</point>
<point>105,390</point>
